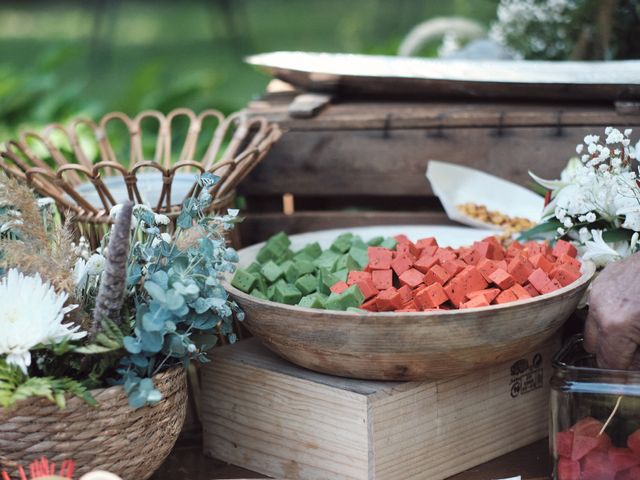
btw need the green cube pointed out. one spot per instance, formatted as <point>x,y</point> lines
<point>360,255</point>
<point>258,294</point>
<point>268,252</point>
<point>286,293</point>
<point>327,260</point>
<point>389,243</point>
<point>341,244</point>
<point>375,241</point>
<point>303,257</point>
<point>341,275</point>
<point>333,302</point>
<point>243,280</point>
<point>292,273</point>
<point>271,290</point>
<point>326,280</point>
<point>254,268</point>
<point>305,266</point>
<point>352,297</point>
<point>346,262</point>
<point>271,271</point>
<point>307,284</point>
<point>281,239</point>
<point>357,242</point>
<point>313,250</point>
<point>261,283</point>
<point>286,254</point>
<point>315,300</point>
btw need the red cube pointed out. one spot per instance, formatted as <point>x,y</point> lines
<point>408,249</point>
<point>380,258</point>
<point>633,442</point>
<point>382,279</point>
<point>454,267</point>
<point>514,249</point>
<point>563,247</point>
<point>431,296</point>
<point>436,274</point>
<point>411,277</point>
<point>506,296</point>
<point>531,290</point>
<point>572,262</point>
<point>356,276</point>
<point>631,474</point>
<point>406,293</point>
<point>540,260</point>
<point>520,292</point>
<point>388,300</point>
<point>487,267</point>
<point>489,249</point>
<point>426,242</point>
<point>444,254</point>
<point>368,288</point>
<point>520,269</point>
<point>470,256</point>
<point>502,279</point>
<point>339,287</point>
<point>622,459</point>
<point>456,291</point>
<point>538,279</point>
<point>401,263</point>
<point>597,466</point>
<point>425,263</point>
<point>568,469</point>
<point>564,443</point>
<point>565,274</point>
<point>473,279</point>
<point>489,294</point>
<point>551,286</point>
<point>479,301</point>
<point>370,305</point>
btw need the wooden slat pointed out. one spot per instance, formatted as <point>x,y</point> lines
<point>257,227</point>
<point>375,162</point>
<point>353,115</point>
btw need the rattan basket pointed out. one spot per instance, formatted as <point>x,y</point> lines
<point>88,167</point>
<point>112,436</point>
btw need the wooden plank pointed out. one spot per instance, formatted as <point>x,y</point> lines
<point>357,115</point>
<point>393,163</point>
<point>257,227</point>
<point>187,462</point>
<point>270,416</point>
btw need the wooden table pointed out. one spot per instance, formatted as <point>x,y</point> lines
<point>187,462</point>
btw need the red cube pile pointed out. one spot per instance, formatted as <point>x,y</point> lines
<point>586,454</point>
<point>423,276</point>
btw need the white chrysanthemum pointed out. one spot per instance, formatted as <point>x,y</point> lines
<point>31,314</point>
<point>95,264</point>
<point>80,272</point>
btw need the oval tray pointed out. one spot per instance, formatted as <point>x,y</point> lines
<point>406,346</point>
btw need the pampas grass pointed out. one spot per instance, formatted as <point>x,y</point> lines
<point>44,245</point>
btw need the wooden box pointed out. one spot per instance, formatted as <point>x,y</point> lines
<point>362,161</point>
<point>265,414</point>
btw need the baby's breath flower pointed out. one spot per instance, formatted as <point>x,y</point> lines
<point>579,148</point>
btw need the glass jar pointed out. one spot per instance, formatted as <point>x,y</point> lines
<point>595,418</point>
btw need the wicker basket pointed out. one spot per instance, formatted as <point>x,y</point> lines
<point>111,436</point>
<point>88,167</point>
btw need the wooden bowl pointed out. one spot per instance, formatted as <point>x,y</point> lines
<point>411,345</point>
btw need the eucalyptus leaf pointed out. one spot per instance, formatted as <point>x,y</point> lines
<point>155,290</point>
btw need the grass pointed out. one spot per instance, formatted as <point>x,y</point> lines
<point>161,54</point>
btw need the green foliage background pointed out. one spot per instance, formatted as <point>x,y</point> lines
<point>63,58</point>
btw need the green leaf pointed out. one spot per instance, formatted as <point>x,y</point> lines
<point>617,235</point>
<point>539,230</point>
<point>156,291</point>
<point>184,220</point>
<point>95,349</point>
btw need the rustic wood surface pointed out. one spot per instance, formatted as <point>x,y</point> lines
<point>187,462</point>
<point>393,162</point>
<point>404,346</point>
<point>268,415</point>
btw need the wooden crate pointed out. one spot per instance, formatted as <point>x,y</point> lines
<point>362,161</point>
<point>267,415</point>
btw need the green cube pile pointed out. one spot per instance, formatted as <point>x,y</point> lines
<point>305,277</point>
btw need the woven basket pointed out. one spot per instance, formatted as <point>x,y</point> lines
<point>88,167</point>
<point>112,436</point>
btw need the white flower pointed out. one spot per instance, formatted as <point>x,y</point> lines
<point>590,217</point>
<point>567,222</point>
<point>80,273</point>
<point>31,314</point>
<point>599,251</point>
<point>579,148</point>
<point>614,136</point>
<point>584,234</point>
<point>163,237</point>
<point>589,139</point>
<point>95,264</point>
<point>161,219</point>
<point>561,231</point>
<point>627,132</point>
